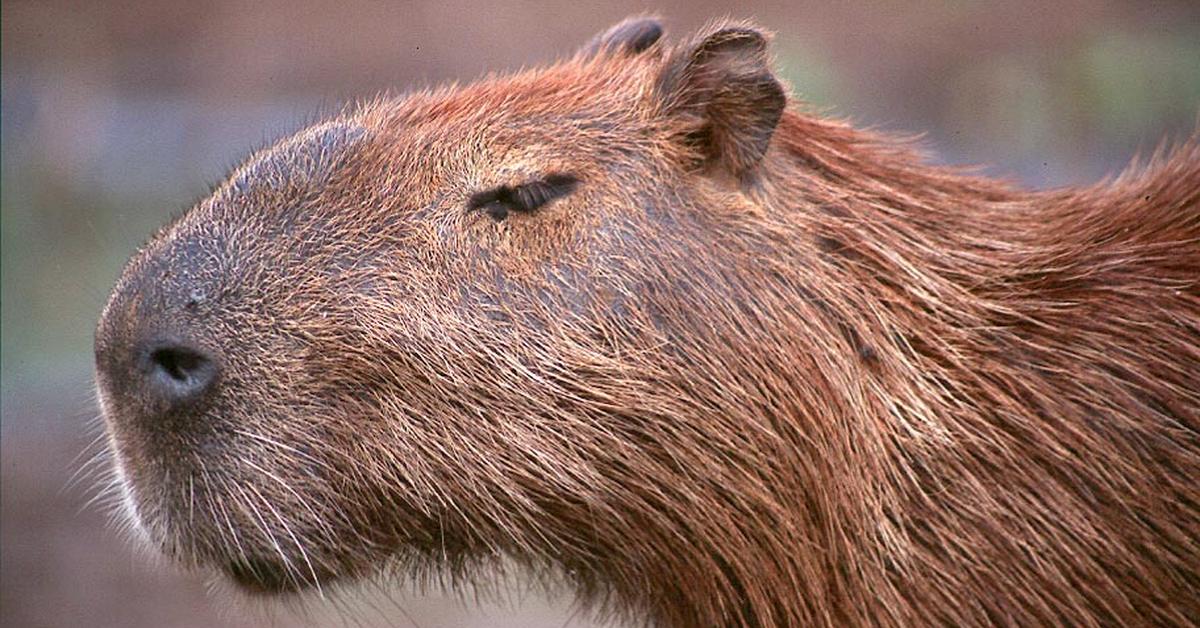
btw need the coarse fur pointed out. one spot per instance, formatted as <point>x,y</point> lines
<point>746,367</point>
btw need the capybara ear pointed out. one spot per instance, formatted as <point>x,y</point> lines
<point>631,36</point>
<point>721,86</point>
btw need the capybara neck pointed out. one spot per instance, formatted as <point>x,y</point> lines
<point>992,388</point>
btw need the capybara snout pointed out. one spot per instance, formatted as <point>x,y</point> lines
<point>155,356</point>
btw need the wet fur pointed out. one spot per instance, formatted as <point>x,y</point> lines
<point>730,379</point>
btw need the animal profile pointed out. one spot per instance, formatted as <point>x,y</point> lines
<point>639,320</point>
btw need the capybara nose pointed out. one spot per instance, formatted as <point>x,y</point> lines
<point>177,374</point>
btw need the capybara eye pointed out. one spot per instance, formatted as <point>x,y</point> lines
<point>527,197</point>
<point>497,210</point>
<point>535,194</point>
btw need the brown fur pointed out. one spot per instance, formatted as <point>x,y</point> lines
<point>752,371</point>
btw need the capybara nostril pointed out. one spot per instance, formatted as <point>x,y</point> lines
<point>177,373</point>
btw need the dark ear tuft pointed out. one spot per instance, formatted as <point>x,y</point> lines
<point>722,84</point>
<point>629,37</point>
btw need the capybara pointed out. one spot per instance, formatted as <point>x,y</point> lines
<point>632,322</point>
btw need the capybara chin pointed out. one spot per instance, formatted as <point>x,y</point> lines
<point>633,320</point>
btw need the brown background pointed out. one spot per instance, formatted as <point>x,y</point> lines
<point>117,115</point>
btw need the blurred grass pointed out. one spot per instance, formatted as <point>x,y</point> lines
<point>60,253</point>
<point>1134,82</point>
<point>1115,93</point>
<point>810,75</point>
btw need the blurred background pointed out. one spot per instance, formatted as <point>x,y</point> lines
<point>115,116</point>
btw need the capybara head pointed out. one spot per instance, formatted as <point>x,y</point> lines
<point>432,331</point>
<point>631,322</point>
